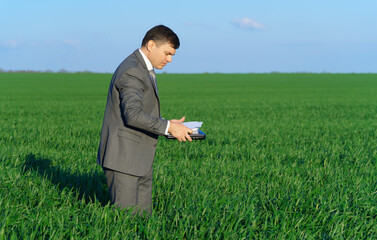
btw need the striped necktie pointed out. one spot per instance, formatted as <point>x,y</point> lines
<point>153,77</point>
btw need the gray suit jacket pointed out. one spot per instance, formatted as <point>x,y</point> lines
<point>132,122</point>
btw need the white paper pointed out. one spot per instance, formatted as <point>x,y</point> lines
<point>193,125</point>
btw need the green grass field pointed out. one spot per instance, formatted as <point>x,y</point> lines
<point>286,156</point>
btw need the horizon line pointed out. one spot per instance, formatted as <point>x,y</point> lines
<point>270,72</point>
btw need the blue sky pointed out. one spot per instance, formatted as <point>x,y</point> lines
<point>216,36</point>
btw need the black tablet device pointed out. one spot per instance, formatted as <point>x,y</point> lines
<point>195,136</point>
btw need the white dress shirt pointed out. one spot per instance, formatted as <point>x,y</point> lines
<point>150,68</point>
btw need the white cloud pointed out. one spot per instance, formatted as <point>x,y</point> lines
<point>68,43</point>
<point>11,43</point>
<point>72,42</point>
<point>248,24</point>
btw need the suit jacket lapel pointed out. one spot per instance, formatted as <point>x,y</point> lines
<point>141,60</point>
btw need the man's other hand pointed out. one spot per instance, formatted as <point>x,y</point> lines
<point>180,131</point>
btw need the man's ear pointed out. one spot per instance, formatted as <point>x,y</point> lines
<point>150,45</point>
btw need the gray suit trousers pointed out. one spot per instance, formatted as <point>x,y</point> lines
<point>127,191</point>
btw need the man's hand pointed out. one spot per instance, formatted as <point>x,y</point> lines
<point>180,131</point>
<point>178,120</point>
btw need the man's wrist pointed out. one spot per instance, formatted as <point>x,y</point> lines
<point>167,128</point>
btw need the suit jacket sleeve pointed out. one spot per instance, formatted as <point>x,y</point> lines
<point>131,92</point>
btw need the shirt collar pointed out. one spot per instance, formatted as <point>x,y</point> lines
<point>146,60</point>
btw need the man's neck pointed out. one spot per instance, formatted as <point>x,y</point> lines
<point>145,51</point>
<point>146,58</point>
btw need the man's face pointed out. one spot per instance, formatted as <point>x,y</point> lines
<point>160,54</point>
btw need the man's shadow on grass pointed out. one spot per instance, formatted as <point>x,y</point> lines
<point>90,186</point>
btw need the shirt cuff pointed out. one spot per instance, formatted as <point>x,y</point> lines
<point>167,128</point>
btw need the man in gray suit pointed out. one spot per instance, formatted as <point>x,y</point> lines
<point>132,122</point>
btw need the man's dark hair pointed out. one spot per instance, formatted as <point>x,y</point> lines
<point>161,34</point>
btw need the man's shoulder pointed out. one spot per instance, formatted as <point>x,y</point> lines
<point>132,63</point>
<point>131,66</point>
